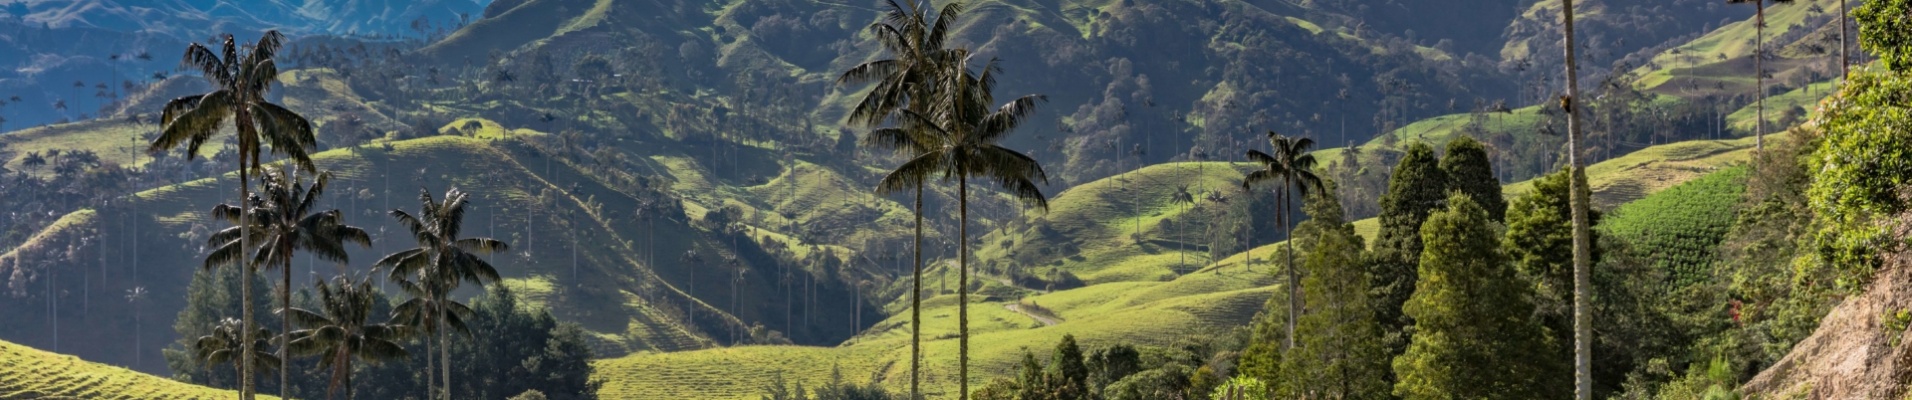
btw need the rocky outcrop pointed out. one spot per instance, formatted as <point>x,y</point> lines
<point>1853,353</point>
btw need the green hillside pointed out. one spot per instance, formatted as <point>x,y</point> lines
<point>1098,315</point>
<point>1681,227</point>
<point>29,373</point>
<point>630,288</point>
<point>1635,175</point>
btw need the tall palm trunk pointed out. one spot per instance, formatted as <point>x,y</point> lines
<point>1845,59</point>
<point>962,280</point>
<point>1582,245</point>
<point>444,343</point>
<point>916,306</point>
<point>245,271</point>
<point>285,319</point>
<point>431,380</point>
<point>1294,279</point>
<point>1759,75</point>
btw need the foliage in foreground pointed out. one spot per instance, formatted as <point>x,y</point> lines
<point>512,350</point>
<point>1463,330</point>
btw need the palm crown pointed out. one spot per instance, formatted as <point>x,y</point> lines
<point>342,330</point>
<point>240,82</point>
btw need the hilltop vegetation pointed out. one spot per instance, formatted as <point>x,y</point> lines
<point>681,193</point>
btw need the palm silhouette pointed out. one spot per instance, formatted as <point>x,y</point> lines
<point>344,332</point>
<point>1293,168</point>
<point>223,345</point>
<point>966,132</point>
<point>240,81</point>
<point>284,220</point>
<point>915,40</point>
<point>441,262</point>
<point>1185,199</point>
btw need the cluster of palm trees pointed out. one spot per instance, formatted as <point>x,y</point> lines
<point>283,219</point>
<point>928,105</point>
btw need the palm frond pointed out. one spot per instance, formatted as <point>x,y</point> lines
<point>914,172</point>
<point>202,59</point>
<point>288,133</point>
<point>192,120</point>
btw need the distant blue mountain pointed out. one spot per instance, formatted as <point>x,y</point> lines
<point>69,59</point>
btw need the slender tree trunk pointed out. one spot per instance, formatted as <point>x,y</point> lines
<point>962,280</point>
<point>444,342</point>
<point>1759,76</point>
<point>1582,244</point>
<point>431,380</point>
<point>1845,59</point>
<point>916,305</point>
<point>1294,279</point>
<point>285,323</point>
<point>348,379</point>
<point>245,276</point>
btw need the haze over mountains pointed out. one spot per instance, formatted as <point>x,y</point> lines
<point>675,175</point>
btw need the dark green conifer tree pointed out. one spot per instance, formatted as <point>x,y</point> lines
<point>1470,171</point>
<point>1417,188</point>
<point>1475,337</point>
<point>1339,353</point>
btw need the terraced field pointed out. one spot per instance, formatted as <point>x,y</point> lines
<point>29,373</point>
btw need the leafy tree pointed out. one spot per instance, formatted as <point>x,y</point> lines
<point>1539,242</point>
<point>1112,364</point>
<point>1241,388</point>
<point>1860,169</point>
<point>240,81</point>
<point>1886,30</point>
<point>905,84</point>
<point>284,220</point>
<point>343,331</point>
<point>515,349</point>
<point>1293,168</point>
<point>1415,190</point>
<point>1470,313</point>
<point>441,262</point>
<point>1470,171</point>
<point>1339,353</point>
<point>1167,382</point>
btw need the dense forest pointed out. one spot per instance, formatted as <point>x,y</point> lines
<point>992,199</point>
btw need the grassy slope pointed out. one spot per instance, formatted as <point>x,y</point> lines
<point>1635,175</point>
<point>1722,56</point>
<point>1681,228</point>
<point>29,373</point>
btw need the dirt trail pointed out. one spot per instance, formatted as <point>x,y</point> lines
<point>1046,321</point>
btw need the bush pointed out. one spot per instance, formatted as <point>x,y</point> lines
<point>1885,29</point>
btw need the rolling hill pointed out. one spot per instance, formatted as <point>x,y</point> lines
<point>28,373</point>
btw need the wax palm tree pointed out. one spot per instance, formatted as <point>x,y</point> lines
<point>1186,199</point>
<point>915,41</point>
<point>1582,233</point>
<point>424,315</point>
<point>441,263</point>
<point>240,79</point>
<point>970,131</point>
<point>1293,168</point>
<point>1759,71</point>
<point>342,331</point>
<point>285,221</point>
<point>224,344</point>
